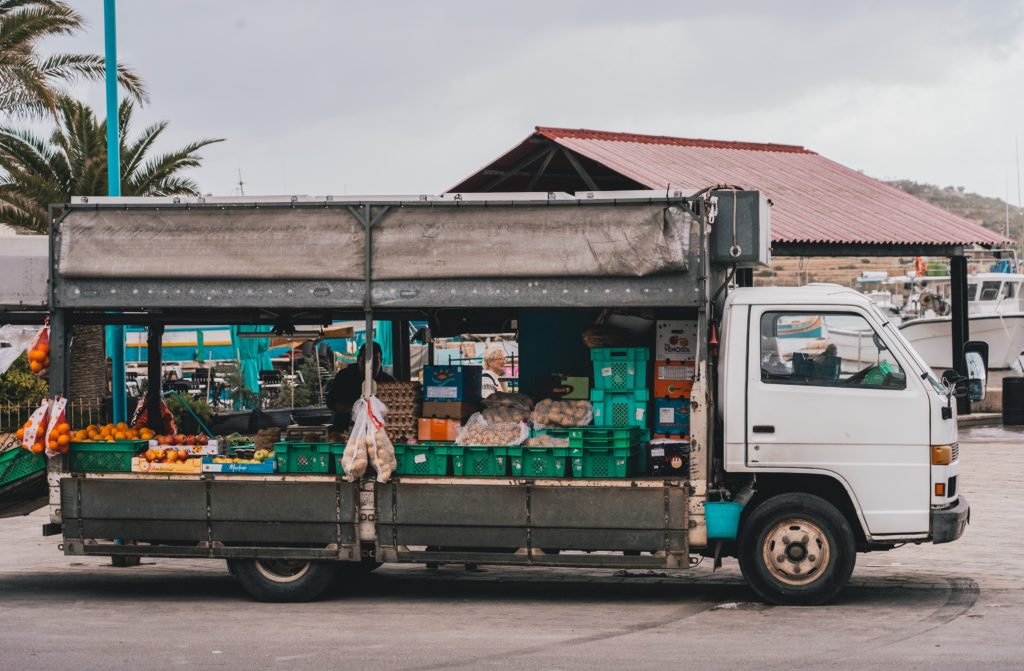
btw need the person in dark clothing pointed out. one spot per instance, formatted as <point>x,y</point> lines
<point>347,386</point>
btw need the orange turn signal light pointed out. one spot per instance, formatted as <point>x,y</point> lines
<point>942,455</point>
<point>940,489</point>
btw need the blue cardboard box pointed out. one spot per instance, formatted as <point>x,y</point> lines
<point>451,383</point>
<point>672,416</point>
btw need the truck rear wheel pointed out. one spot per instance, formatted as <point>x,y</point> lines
<point>283,580</point>
<point>797,549</point>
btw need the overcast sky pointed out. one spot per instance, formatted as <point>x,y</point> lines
<point>327,97</point>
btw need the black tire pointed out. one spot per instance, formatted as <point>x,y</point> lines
<point>281,581</point>
<point>796,549</point>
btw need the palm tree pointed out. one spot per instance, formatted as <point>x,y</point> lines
<point>29,83</point>
<point>74,163</point>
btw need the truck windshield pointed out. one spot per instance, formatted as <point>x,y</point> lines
<point>895,333</point>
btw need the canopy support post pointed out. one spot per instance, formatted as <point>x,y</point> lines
<point>959,323</point>
<point>155,379</point>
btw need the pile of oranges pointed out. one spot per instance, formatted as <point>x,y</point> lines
<point>39,357</point>
<point>60,438</point>
<point>108,433</point>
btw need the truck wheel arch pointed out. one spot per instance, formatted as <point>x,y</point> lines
<point>825,485</point>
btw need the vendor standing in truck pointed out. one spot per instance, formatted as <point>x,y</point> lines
<point>494,368</point>
<point>347,387</point>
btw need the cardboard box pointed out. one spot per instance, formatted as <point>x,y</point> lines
<point>561,387</point>
<point>438,429</point>
<point>676,340</point>
<point>666,459</point>
<point>451,383</point>
<point>268,466</point>
<point>140,465</point>
<point>673,379</point>
<point>671,416</point>
<point>449,410</point>
<point>212,447</point>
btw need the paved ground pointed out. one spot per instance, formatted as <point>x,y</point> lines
<point>926,607</point>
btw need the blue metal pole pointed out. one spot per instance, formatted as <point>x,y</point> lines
<point>115,334</point>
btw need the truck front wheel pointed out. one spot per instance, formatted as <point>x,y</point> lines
<point>796,549</point>
<point>283,580</point>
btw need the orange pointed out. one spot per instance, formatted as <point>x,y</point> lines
<point>120,435</point>
<point>36,355</point>
<point>43,347</point>
<point>64,427</point>
<point>21,433</point>
<point>64,449</point>
<point>52,445</point>
<point>122,426</point>
<point>35,366</point>
<point>63,439</point>
<point>37,448</point>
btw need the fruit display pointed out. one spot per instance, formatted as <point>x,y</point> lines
<point>197,445</point>
<point>244,456</point>
<point>39,353</point>
<point>109,433</point>
<point>165,455</point>
<point>32,435</point>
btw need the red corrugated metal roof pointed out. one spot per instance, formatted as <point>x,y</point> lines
<point>816,200</point>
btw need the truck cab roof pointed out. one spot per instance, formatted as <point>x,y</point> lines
<point>811,294</point>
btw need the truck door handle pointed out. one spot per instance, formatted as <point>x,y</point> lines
<point>763,428</point>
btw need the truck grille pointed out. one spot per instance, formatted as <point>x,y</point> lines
<point>956,451</point>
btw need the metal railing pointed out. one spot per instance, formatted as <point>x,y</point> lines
<point>80,413</point>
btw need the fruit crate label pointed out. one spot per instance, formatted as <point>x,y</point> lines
<point>442,392</point>
<point>606,372</point>
<point>640,414</point>
<point>419,458</point>
<point>666,415</point>
<point>675,373</point>
<point>657,451</point>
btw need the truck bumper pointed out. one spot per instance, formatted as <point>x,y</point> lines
<point>948,524</point>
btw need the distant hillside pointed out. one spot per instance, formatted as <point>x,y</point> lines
<point>989,212</point>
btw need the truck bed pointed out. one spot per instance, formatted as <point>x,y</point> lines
<point>571,522</point>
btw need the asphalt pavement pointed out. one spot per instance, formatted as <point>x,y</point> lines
<point>951,606</point>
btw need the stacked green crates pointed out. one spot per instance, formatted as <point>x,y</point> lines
<point>105,457</point>
<point>19,463</point>
<point>427,458</point>
<point>305,458</point>
<point>612,447</point>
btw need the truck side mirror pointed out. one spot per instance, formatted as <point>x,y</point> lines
<point>979,347</point>
<point>977,377</point>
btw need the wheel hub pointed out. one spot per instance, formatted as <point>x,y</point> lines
<point>282,570</point>
<point>796,552</point>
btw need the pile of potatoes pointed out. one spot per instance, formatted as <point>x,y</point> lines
<point>562,413</point>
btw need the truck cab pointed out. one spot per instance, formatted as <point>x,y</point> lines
<point>844,434</point>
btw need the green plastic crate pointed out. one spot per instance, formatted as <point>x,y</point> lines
<point>620,408</point>
<point>104,457</point>
<point>305,458</point>
<point>620,368</point>
<point>554,432</point>
<point>605,436</point>
<point>480,460</point>
<point>427,458</point>
<point>604,462</point>
<point>538,462</point>
<point>19,463</point>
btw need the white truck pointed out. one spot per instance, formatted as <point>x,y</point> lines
<point>808,407</point>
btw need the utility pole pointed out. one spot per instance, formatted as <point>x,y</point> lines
<point>115,334</point>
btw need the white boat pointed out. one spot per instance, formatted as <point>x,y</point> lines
<point>994,308</point>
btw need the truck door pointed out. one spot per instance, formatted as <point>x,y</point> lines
<point>825,392</point>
